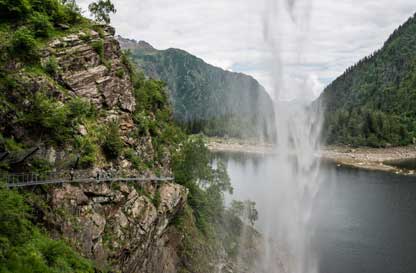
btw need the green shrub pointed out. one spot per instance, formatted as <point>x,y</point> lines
<point>14,9</point>
<point>40,166</point>
<point>23,248</point>
<point>113,144</point>
<point>191,165</point>
<point>51,116</point>
<point>24,46</point>
<point>80,109</point>
<point>41,25</point>
<point>69,13</point>
<point>98,47</point>
<point>51,66</point>
<point>86,37</point>
<point>58,120</point>
<point>12,146</point>
<point>99,30</point>
<point>125,59</point>
<point>87,151</point>
<point>120,73</point>
<point>135,160</point>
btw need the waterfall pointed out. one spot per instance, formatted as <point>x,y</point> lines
<point>294,183</point>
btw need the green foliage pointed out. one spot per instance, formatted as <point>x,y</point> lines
<point>120,73</point>
<point>135,160</point>
<point>101,10</point>
<point>87,151</point>
<point>245,210</point>
<point>192,167</point>
<point>23,248</point>
<point>47,115</point>
<point>11,145</point>
<point>98,46</point>
<point>40,166</point>
<point>80,109</point>
<point>24,46</point>
<point>51,66</point>
<point>14,9</point>
<point>151,95</point>
<point>59,12</point>
<point>112,144</point>
<point>41,25</point>
<point>374,102</point>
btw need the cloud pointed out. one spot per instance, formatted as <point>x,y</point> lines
<point>327,37</point>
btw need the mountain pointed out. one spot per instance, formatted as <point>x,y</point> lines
<point>374,102</point>
<point>206,98</point>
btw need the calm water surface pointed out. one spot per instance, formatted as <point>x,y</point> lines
<point>365,221</point>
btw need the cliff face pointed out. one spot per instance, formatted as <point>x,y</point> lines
<point>124,226</point>
<point>90,65</point>
<point>87,65</point>
<point>120,226</point>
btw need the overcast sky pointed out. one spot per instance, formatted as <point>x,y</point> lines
<point>311,41</point>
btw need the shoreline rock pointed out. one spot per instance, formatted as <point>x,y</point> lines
<point>373,159</point>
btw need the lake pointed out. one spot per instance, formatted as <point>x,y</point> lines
<point>365,222</point>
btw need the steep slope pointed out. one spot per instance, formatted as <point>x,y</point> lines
<point>77,104</point>
<point>374,102</point>
<point>70,99</point>
<point>206,98</point>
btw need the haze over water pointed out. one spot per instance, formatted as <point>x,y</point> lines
<point>289,193</point>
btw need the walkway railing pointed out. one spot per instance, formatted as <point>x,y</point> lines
<point>85,176</point>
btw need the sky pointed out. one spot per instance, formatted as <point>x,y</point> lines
<point>291,45</point>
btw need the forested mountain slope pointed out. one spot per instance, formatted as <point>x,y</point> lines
<point>206,98</point>
<point>374,102</point>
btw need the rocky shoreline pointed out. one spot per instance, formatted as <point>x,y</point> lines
<point>239,146</point>
<point>375,159</point>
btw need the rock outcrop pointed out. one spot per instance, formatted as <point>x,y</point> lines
<point>90,65</point>
<point>127,227</point>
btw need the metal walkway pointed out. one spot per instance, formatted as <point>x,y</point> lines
<point>32,179</point>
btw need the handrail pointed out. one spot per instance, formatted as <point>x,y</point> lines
<point>72,176</point>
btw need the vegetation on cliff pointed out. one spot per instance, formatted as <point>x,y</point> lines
<point>26,248</point>
<point>374,102</point>
<point>212,233</point>
<point>68,91</point>
<point>40,107</point>
<point>207,99</point>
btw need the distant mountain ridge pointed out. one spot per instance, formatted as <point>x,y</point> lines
<point>374,102</point>
<point>206,98</point>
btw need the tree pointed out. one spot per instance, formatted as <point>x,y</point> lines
<point>245,210</point>
<point>101,10</point>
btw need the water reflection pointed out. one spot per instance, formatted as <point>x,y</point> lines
<point>406,164</point>
<point>365,221</point>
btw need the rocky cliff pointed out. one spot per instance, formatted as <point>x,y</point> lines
<point>90,65</point>
<point>123,227</point>
<point>65,106</point>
